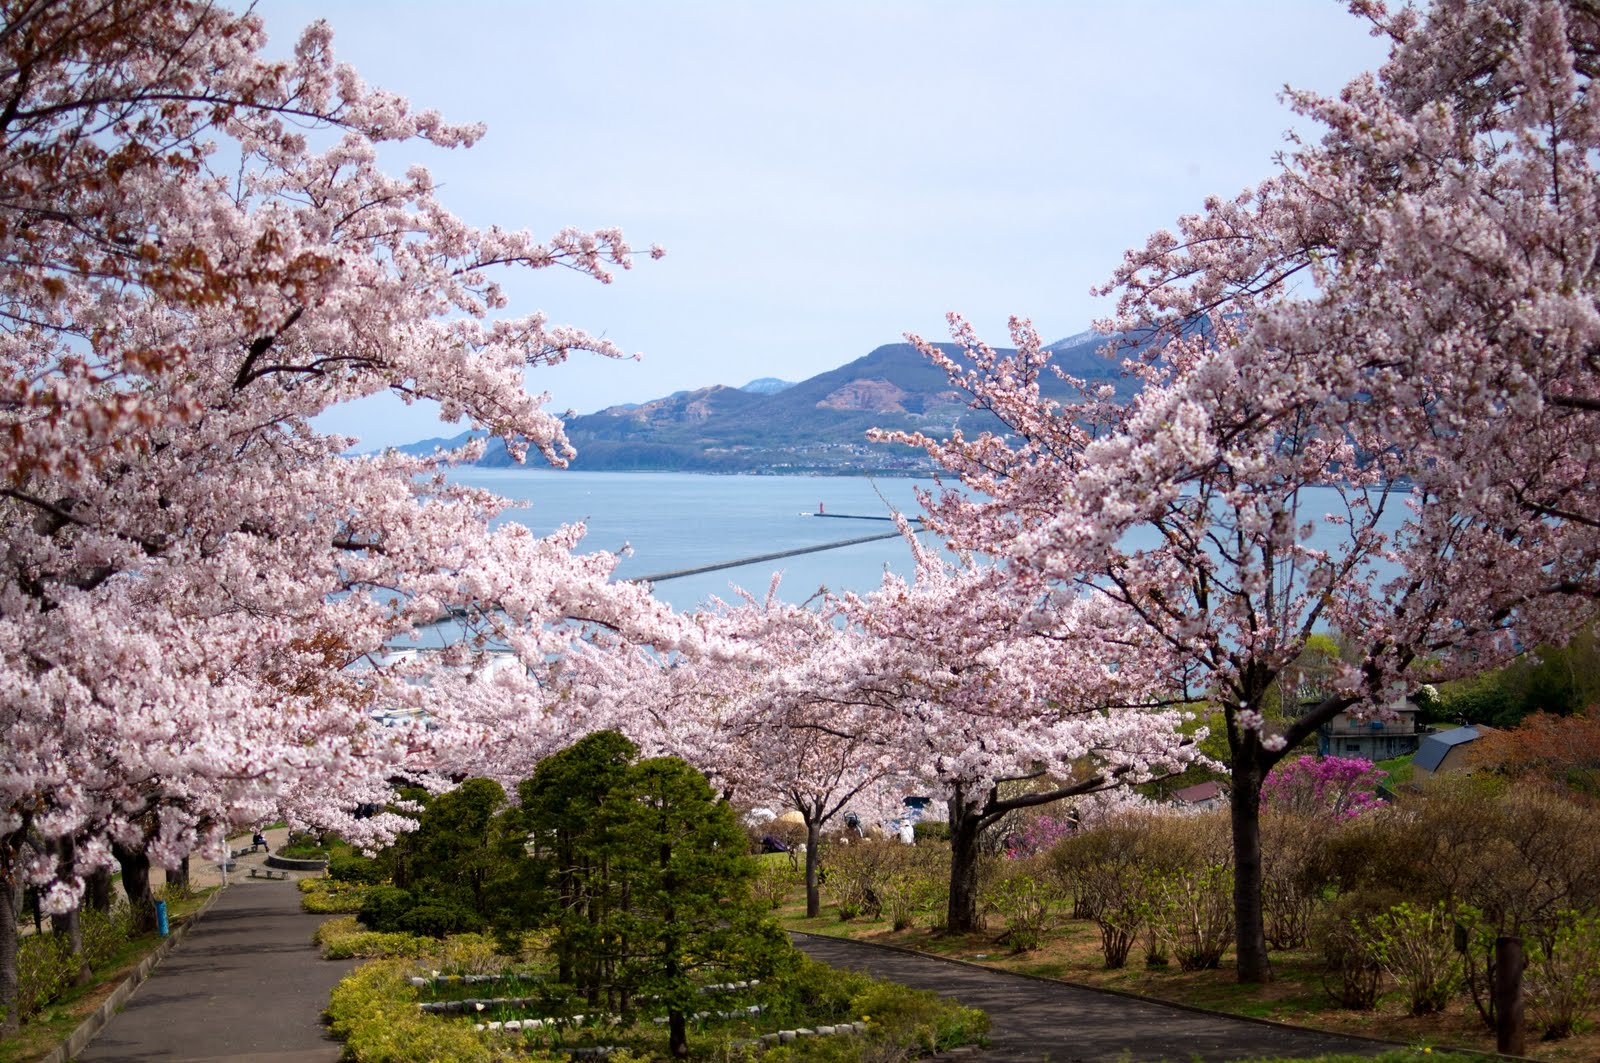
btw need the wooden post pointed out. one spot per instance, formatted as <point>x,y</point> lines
<point>1509,961</point>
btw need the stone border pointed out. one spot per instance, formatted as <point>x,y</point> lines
<point>289,863</point>
<point>90,1027</point>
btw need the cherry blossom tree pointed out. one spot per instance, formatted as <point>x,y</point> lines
<point>1402,318</point>
<point>201,255</point>
<point>997,705</point>
<point>734,700</point>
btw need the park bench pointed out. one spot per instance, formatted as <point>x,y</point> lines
<point>267,872</point>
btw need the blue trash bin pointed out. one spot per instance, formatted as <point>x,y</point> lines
<point>161,918</point>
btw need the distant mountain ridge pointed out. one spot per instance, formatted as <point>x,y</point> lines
<point>817,425</point>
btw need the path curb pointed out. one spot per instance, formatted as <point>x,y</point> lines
<point>89,1028</point>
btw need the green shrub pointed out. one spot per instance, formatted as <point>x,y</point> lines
<point>903,1023</point>
<point>329,929</point>
<point>1103,870</point>
<point>105,933</point>
<point>854,870</point>
<point>1563,977</point>
<point>1417,946</point>
<point>343,939</point>
<point>371,944</point>
<point>437,920</point>
<point>931,830</point>
<point>383,906</point>
<point>324,896</point>
<point>918,1019</point>
<point>374,1011</point>
<point>469,954</point>
<point>815,1050</point>
<point>773,883</point>
<point>1202,916</point>
<point>45,969</point>
<point>1351,973</point>
<point>1023,902</point>
<point>356,869</point>
<point>811,991</point>
<point>906,892</point>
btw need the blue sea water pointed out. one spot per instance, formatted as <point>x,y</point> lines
<point>674,521</point>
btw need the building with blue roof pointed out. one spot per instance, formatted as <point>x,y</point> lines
<point>1445,751</point>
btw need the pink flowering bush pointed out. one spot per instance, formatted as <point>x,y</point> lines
<point>1039,835</point>
<point>1325,787</point>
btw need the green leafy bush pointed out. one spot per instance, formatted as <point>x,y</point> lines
<point>437,920</point>
<point>918,1018</point>
<point>45,970</point>
<point>105,933</point>
<point>854,870</point>
<point>383,907</point>
<point>1563,977</point>
<point>1417,946</point>
<point>930,830</point>
<point>1104,871</point>
<point>1023,903</point>
<point>374,1011</point>
<point>812,1050</point>
<point>343,939</point>
<point>773,882</point>
<point>304,848</point>
<point>357,869</point>
<point>1351,973</point>
<point>325,896</point>
<point>811,991</point>
<point>1202,916</point>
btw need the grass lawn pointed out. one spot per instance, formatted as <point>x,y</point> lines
<point>1399,769</point>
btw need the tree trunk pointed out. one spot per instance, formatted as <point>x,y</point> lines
<point>1248,922</point>
<point>10,899</point>
<point>178,877</point>
<point>1509,960</point>
<point>136,883</point>
<point>961,917</point>
<point>813,868</point>
<point>98,893</point>
<point>677,1034</point>
<point>70,924</point>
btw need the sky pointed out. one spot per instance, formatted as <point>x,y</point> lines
<point>828,176</point>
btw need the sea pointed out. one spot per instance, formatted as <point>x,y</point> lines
<point>667,522</point>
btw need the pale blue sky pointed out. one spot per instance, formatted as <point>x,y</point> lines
<point>828,176</point>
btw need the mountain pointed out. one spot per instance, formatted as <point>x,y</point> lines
<point>813,426</point>
<point>767,385</point>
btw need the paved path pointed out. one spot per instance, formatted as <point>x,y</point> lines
<point>1032,1019</point>
<point>245,986</point>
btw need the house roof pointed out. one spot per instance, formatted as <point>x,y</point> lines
<point>1434,748</point>
<point>1200,791</point>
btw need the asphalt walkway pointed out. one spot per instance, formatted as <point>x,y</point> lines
<point>246,986</point>
<point>1033,1019</point>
